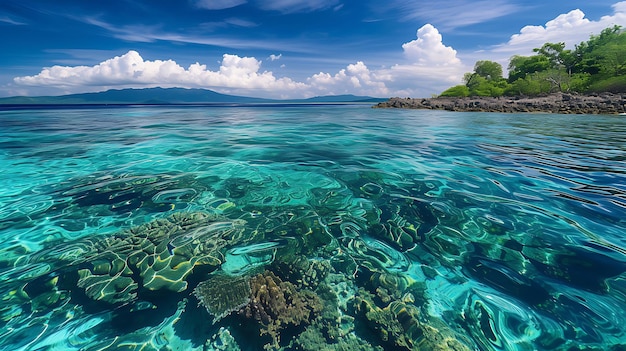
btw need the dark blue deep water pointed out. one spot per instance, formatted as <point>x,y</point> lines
<point>311,228</point>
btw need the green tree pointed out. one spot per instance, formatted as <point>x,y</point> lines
<point>557,56</point>
<point>612,58</point>
<point>595,54</point>
<point>598,64</point>
<point>456,91</point>
<point>486,80</point>
<point>524,87</point>
<point>521,66</point>
<point>489,70</point>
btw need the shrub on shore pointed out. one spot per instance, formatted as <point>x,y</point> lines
<point>596,65</point>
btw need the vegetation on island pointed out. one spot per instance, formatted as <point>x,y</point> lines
<point>597,65</point>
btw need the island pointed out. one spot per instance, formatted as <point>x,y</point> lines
<point>591,79</point>
<point>564,103</point>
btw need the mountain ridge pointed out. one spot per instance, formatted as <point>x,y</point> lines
<point>158,96</point>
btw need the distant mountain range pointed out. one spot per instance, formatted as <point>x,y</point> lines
<point>157,96</point>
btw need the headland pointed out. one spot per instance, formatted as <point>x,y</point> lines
<point>564,103</point>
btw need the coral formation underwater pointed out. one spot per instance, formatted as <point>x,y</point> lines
<point>338,273</point>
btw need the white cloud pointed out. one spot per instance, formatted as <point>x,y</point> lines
<point>224,23</point>
<point>219,4</point>
<point>240,75</point>
<point>431,66</point>
<point>240,22</point>
<point>275,57</point>
<point>572,28</point>
<point>354,79</point>
<point>149,34</point>
<point>428,48</point>
<point>619,7</point>
<point>427,67</point>
<point>455,13</point>
<point>8,20</point>
<point>293,6</point>
<point>131,70</point>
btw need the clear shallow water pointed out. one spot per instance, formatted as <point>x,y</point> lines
<point>314,227</point>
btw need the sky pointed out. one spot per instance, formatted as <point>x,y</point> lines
<point>278,48</point>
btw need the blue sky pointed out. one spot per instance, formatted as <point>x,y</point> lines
<point>278,48</point>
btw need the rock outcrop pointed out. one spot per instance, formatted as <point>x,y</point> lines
<point>605,103</point>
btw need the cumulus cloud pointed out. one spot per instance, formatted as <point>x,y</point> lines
<point>219,4</point>
<point>429,67</point>
<point>354,78</point>
<point>131,70</point>
<point>236,74</point>
<point>428,48</point>
<point>241,75</point>
<point>572,28</point>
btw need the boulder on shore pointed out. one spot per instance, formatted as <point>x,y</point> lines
<point>565,103</point>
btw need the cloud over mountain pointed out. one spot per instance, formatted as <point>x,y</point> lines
<point>131,70</point>
<point>428,64</point>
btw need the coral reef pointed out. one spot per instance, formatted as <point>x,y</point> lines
<point>154,256</point>
<point>313,339</point>
<point>222,341</point>
<point>397,325</point>
<point>305,273</point>
<point>333,329</point>
<point>222,294</point>
<point>389,287</point>
<point>398,225</point>
<point>158,255</point>
<point>279,307</point>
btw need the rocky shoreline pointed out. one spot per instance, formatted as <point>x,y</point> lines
<point>565,103</point>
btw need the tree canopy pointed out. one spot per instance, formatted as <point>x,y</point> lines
<point>596,65</point>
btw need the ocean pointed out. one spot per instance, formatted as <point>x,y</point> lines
<point>310,227</point>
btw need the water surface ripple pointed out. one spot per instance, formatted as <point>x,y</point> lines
<point>499,231</point>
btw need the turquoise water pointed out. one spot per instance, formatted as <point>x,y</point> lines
<point>311,227</point>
